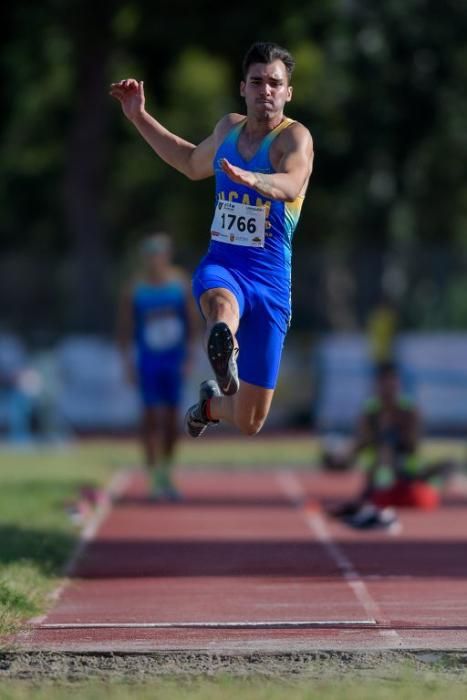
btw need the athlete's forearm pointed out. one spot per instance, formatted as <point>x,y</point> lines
<point>280,186</point>
<point>172,149</point>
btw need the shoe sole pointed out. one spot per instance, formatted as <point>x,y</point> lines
<point>222,356</point>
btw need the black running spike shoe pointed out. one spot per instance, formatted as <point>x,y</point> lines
<point>369,517</point>
<point>222,354</point>
<point>196,420</point>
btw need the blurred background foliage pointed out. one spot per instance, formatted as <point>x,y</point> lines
<point>380,85</point>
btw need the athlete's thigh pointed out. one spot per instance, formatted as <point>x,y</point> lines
<point>170,419</point>
<point>211,278</point>
<point>211,298</point>
<point>150,417</point>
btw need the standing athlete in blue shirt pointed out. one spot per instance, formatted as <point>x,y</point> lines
<point>157,326</point>
<point>262,163</point>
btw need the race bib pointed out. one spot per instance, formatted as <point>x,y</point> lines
<point>163,333</point>
<point>239,224</point>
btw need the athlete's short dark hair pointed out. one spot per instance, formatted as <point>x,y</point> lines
<point>267,52</point>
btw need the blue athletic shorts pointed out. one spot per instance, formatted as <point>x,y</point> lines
<point>160,384</point>
<point>263,322</point>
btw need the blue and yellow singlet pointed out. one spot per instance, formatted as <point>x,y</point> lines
<point>270,264</point>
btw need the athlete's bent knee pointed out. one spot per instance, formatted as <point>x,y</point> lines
<point>219,305</point>
<point>251,425</point>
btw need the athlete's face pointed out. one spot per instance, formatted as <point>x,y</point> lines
<point>266,89</point>
<point>157,263</point>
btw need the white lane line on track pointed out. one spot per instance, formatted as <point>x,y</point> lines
<point>294,490</point>
<point>115,488</point>
<point>279,624</point>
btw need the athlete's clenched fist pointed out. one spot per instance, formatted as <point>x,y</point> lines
<point>130,94</point>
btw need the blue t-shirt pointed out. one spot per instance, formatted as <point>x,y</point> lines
<point>160,321</point>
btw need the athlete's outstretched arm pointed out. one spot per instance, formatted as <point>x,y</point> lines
<point>293,172</point>
<point>193,161</point>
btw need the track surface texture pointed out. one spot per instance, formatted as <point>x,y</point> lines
<point>249,563</point>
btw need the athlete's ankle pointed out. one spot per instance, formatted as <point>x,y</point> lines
<point>206,410</point>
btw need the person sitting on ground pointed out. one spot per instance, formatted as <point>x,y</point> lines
<point>387,442</point>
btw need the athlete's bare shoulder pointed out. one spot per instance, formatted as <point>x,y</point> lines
<point>225,124</point>
<point>296,138</point>
<point>295,135</point>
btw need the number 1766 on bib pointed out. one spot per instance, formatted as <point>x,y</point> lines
<point>238,224</point>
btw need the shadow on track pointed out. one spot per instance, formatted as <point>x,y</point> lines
<point>210,501</point>
<point>245,557</point>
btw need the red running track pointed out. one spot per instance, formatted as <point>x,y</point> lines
<point>243,565</point>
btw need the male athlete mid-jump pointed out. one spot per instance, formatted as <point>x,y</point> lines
<point>262,163</point>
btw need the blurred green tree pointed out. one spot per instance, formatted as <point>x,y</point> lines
<point>381,86</point>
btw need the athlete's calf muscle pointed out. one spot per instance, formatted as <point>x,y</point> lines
<point>247,410</point>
